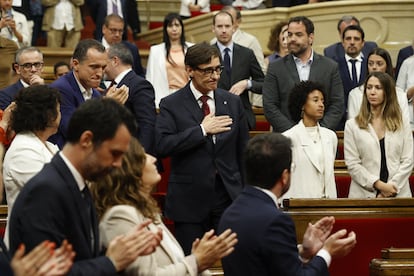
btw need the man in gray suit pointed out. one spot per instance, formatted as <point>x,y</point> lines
<point>301,64</point>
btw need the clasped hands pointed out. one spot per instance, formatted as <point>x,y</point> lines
<point>216,124</point>
<point>318,236</point>
<point>119,94</point>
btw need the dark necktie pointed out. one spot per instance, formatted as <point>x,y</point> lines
<point>227,65</point>
<point>354,73</point>
<point>112,84</point>
<point>204,106</point>
<point>86,194</point>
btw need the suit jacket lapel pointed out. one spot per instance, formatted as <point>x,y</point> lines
<point>190,103</point>
<point>306,142</point>
<point>221,109</point>
<point>292,71</point>
<point>75,87</point>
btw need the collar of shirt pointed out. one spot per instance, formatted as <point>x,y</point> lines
<point>299,61</point>
<point>269,193</point>
<point>222,47</point>
<point>78,177</point>
<point>24,83</point>
<point>197,94</point>
<point>105,43</point>
<point>86,93</point>
<point>119,78</point>
<point>358,57</point>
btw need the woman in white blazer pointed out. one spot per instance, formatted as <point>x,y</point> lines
<point>378,143</point>
<point>123,201</point>
<point>35,118</point>
<point>165,67</point>
<point>378,60</point>
<point>314,146</point>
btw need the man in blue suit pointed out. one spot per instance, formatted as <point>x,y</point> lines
<point>336,50</point>
<point>204,131</point>
<point>29,67</point>
<point>266,236</point>
<point>56,203</point>
<point>89,61</point>
<point>352,62</point>
<point>112,30</point>
<point>402,55</point>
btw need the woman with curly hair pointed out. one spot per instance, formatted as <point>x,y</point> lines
<point>35,117</point>
<point>314,146</point>
<point>277,42</point>
<point>123,200</point>
<point>165,67</point>
<point>378,143</point>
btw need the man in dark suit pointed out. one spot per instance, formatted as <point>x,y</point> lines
<point>266,236</point>
<point>204,131</point>
<point>29,67</point>
<point>127,9</point>
<point>112,33</point>
<point>242,72</point>
<point>99,134</point>
<point>402,55</point>
<point>352,62</point>
<point>336,50</point>
<point>301,64</point>
<point>141,99</point>
<point>89,61</point>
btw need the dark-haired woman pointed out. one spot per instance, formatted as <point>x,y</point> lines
<point>123,200</point>
<point>165,67</point>
<point>378,143</point>
<point>35,117</point>
<point>314,146</point>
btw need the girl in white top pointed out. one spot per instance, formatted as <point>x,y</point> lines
<point>165,68</point>
<point>378,60</point>
<point>314,146</point>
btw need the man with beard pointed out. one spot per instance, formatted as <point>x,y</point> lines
<point>89,62</point>
<point>301,64</point>
<point>56,203</point>
<point>266,236</point>
<point>352,65</point>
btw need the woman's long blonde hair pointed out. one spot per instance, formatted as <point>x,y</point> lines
<point>391,111</point>
<point>122,185</point>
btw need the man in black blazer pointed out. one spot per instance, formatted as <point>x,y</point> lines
<point>402,55</point>
<point>245,72</point>
<point>204,130</point>
<point>336,50</point>
<point>301,64</point>
<point>266,236</point>
<point>352,42</point>
<point>56,203</point>
<point>29,67</point>
<point>112,33</point>
<point>99,10</point>
<point>141,99</point>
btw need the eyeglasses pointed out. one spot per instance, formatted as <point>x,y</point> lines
<point>28,66</point>
<point>209,70</point>
<point>115,31</point>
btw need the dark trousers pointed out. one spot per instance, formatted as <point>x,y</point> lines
<point>186,232</point>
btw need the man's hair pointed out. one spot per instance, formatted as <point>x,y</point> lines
<point>122,52</point>
<point>84,45</point>
<point>113,17</point>
<point>36,108</point>
<point>299,96</point>
<point>201,53</point>
<point>310,29</point>
<point>221,13</point>
<point>58,64</point>
<point>354,28</point>
<point>347,19</point>
<point>265,158</point>
<point>229,8</point>
<point>26,50</point>
<point>102,117</point>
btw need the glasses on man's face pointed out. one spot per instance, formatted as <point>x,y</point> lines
<point>210,70</point>
<point>29,66</point>
<point>116,31</point>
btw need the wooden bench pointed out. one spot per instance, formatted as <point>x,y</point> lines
<point>378,223</point>
<point>394,261</point>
